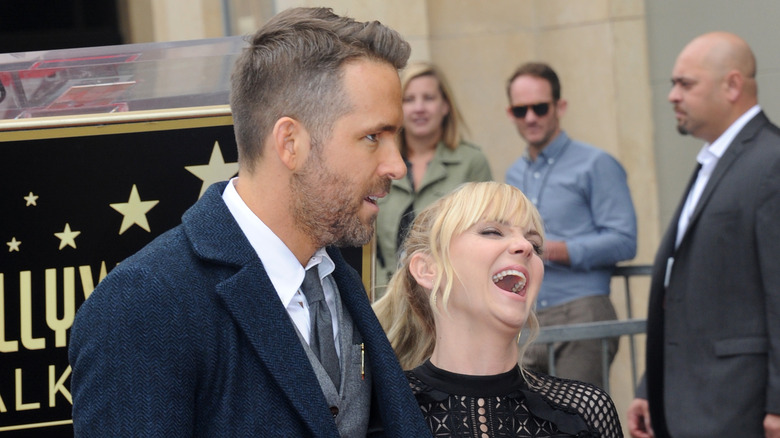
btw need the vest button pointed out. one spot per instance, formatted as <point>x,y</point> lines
<point>334,410</point>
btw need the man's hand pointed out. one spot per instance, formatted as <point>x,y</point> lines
<point>772,426</point>
<point>639,419</point>
<point>556,251</point>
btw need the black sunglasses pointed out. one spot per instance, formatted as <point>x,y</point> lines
<point>540,109</point>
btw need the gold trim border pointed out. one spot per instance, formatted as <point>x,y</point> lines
<point>35,425</point>
<point>115,123</point>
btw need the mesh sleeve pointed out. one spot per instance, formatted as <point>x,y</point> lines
<point>589,401</point>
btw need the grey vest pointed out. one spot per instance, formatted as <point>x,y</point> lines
<point>351,403</point>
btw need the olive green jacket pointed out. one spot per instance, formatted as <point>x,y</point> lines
<point>447,170</point>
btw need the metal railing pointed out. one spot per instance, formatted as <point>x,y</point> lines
<point>601,330</point>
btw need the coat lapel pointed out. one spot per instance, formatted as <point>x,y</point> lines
<point>390,386</point>
<point>254,305</point>
<point>435,172</point>
<point>403,184</point>
<point>667,244</point>
<point>740,142</point>
<point>437,168</point>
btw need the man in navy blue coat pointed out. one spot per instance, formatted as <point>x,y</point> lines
<point>205,332</point>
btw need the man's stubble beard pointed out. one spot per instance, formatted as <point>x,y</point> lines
<point>326,206</point>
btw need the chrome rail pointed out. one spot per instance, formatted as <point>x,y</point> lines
<point>603,330</point>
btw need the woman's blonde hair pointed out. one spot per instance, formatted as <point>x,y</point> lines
<point>406,310</point>
<point>452,122</point>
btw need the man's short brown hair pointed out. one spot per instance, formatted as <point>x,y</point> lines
<point>293,67</point>
<point>537,70</point>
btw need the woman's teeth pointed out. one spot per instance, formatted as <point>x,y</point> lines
<point>510,280</point>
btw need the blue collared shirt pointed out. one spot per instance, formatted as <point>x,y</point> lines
<point>582,195</point>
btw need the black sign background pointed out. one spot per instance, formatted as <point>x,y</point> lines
<point>66,186</point>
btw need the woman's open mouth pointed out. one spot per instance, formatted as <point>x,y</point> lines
<point>510,280</point>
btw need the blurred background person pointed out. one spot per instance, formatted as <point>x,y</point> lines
<point>436,156</point>
<point>470,274</point>
<point>583,197</point>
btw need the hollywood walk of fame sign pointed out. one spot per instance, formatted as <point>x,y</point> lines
<point>72,208</point>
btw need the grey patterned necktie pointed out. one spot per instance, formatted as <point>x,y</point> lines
<point>321,335</point>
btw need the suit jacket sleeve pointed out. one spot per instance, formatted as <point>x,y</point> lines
<point>133,366</point>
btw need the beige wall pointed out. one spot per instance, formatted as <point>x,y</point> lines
<point>146,21</point>
<point>598,47</point>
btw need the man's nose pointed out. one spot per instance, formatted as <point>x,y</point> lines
<point>391,164</point>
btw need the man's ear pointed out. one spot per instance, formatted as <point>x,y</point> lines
<point>291,142</point>
<point>560,107</point>
<point>734,85</point>
<point>423,270</point>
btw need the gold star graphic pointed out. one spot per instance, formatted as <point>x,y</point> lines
<point>31,199</point>
<point>67,237</point>
<point>217,169</point>
<point>13,245</point>
<point>134,211</point>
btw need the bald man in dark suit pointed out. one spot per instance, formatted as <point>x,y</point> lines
<point>713,331</point>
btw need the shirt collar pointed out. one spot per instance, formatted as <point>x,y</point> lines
<point>717,148</point>
<point>281,265</point>
<point>551,150</point>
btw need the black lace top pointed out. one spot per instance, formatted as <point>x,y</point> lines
<point>505,405</point>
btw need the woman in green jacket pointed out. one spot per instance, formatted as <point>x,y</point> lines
<point>436,157</point>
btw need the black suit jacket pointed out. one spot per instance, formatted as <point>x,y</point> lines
<point>713,333</point>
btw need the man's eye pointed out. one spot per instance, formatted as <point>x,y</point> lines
<point>372,137</point>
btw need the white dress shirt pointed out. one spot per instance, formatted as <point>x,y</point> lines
<point>283,268</point>
<point>708,157</point>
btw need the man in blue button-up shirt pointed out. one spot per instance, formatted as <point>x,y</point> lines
<point>590,224</point>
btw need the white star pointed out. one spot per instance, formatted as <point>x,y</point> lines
<point>134,211</point>
<point>217,170</point>
<point>13,245</point>
<point>31,199</point>
<point>67,237</point>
